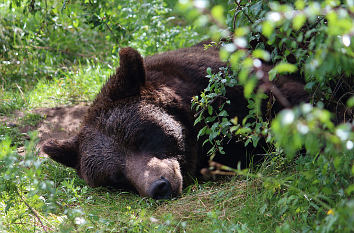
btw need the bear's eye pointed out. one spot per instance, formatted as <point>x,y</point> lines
<point>153,139</point>
<point>121,182</point>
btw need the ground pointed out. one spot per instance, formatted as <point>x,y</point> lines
<point>59,122</point>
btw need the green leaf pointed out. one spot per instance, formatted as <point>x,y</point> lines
<point>248,141</point>
<point>223,113</point>
<point>249,87</point>
<point>208,71</point>
<point>241,31</point>
<point>234,120</point>
<point>255,140</point>
<point>300,4</point>
<point>224,54</point>
<point>210,119</point>
<point>76,23</point>
<point>299,21</point>
<point>202,131</point>
<point>205,141</point>
<point>337,162</point>
<point>234,128</point>
<point>218,13</point>
<point>221,150</point>
<point>350,189</point>
<point>210,109</point>
<point>267,28</point>
<point>198,119</point>
<point>9,204</point>
<point>350,102</point>
<point>262,54</point>
<point>284,67</point>
<point>5,147</point>
<point>235,58</point>
<point>272,74</point>
<point>213,135</point>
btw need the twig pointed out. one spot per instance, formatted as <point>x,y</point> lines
<point>203,203</point>
<point>239,6</point>
<point>218,172</point>
<point>216,168</point>
<point>346,108</point>
<point>245,226</point>
<point>109,28</point>
<point>19,88</point>
<point>33,211</point>
<point>235,16</point>
<point>268,85</point>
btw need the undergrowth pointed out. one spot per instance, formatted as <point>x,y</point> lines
<point>60,53</point>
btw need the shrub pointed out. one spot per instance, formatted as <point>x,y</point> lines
<point>313,41</point>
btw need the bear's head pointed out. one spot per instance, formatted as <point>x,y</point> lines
<point>129,138</point>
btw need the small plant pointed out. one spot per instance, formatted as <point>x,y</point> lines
<point>211,112</point>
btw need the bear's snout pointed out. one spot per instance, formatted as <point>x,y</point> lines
<point>160,189</point>
<point>154,177</point>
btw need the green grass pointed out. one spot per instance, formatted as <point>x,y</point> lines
<point>39,194</point>
<point>68,66</point>
<point>65,59</point>
<point>207,207</point>
<point>234,204</point>
<point>75,87</point>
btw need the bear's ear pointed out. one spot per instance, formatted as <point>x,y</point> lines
<point>63,151</point>
<point>130,75</point>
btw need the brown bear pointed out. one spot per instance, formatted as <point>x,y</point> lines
<point>138,133</point>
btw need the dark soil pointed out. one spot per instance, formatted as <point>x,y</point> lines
<point>59,122</point>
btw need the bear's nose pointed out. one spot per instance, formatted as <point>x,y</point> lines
<point>160,189</point>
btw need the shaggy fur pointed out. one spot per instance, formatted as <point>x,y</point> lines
<point>139,129</point>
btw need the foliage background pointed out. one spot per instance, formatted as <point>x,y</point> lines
<point>55,53</point>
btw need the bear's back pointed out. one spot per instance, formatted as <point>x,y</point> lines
<point>183,70</point>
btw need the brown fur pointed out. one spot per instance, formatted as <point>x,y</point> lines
<point>140,128</point>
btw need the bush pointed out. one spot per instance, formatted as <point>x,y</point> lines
<point>312,41</point>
